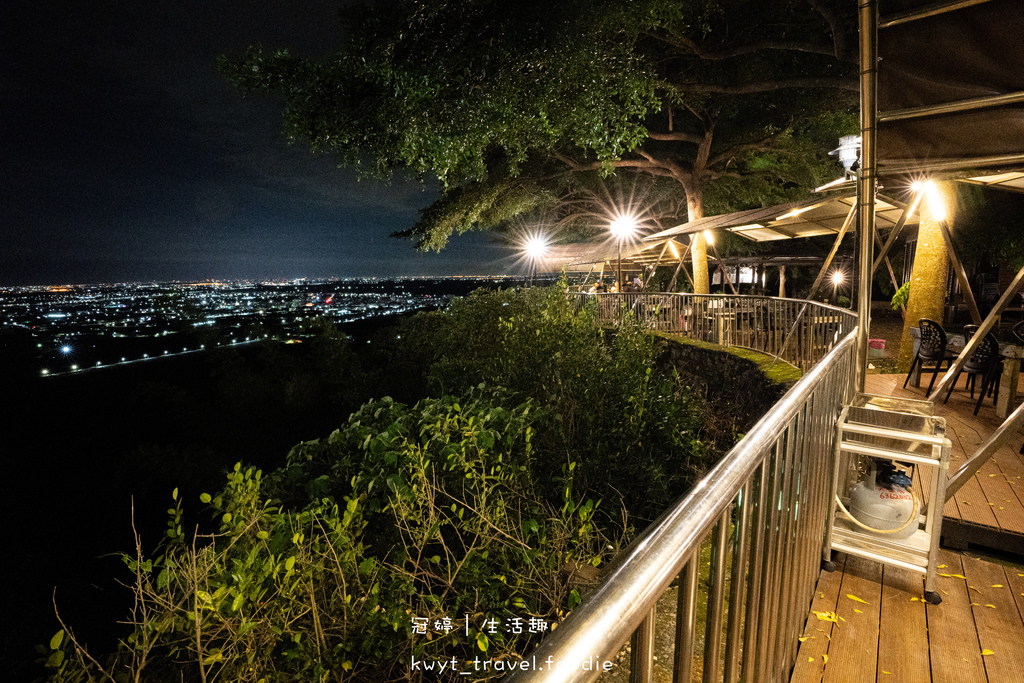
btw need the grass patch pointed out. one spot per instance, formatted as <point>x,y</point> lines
<point>781,372</point>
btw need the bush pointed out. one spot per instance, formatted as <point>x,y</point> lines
<point>316,572</point>
<point>634,430</point>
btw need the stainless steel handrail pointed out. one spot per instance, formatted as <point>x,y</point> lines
<point>777,481</point>
<point>797,331</point>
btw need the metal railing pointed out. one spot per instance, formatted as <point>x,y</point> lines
<point>799,332</point>
<point>762,510</point>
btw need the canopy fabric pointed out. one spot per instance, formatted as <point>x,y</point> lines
<point>583,256</point>
<point>950,86</point>
<point>807,218</point>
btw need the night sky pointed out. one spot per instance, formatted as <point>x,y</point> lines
<point>125,156</point>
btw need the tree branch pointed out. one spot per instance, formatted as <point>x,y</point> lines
<point>682,41</point>
<point>675,137</point>
<point>767,86</point>
<point>839,42</point>
<point>754,145</point>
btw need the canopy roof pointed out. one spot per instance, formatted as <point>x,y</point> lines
<point>806,218</point>
<point>583,256</point>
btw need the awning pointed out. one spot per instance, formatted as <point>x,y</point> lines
<point>583,256</point>
<point>807,218</point>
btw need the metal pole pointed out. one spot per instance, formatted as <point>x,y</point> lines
<point>620,287</point>
<point>866,180</point>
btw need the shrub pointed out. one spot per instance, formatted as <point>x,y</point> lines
<point>634,430</point>
<point>317,571</point>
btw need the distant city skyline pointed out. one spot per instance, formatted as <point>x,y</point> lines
<point>127,157</point>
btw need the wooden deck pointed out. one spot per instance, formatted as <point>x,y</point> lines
<point>988,511</point>
<point>869,623</point>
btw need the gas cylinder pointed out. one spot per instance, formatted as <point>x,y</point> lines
<point>883,501</point>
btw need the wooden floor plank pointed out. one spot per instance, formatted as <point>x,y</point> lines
<point>973,504</point>
<point>953,643</point>
<point>812,656</point>
<point>1000,629</point>
<point>853,650</point>
<point>1003,502</point>
<point>903,628</point>
<point>1015,580</point>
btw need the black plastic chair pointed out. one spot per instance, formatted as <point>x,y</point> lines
<point>932,349</point>
<point>985,361</point>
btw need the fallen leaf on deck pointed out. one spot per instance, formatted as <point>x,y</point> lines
<point>942,566</point>
<point>916,600</point>
<point>824,659</point>
<point>856,599</point>
<point>964,502</point>
<point>992,606</point>
<point>804,638</point>
<point>857,611</point>
<point>954,576</point>
<point>973,588</point>
<point>986,652</point>
<point>997,585</point>
<point>826,616</point>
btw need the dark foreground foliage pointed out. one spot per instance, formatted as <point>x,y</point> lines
<point>492,504</point>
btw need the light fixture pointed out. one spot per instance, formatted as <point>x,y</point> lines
<point>936,204</point>
<point>622,227</point>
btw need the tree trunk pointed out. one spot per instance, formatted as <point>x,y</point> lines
<point>931,267</point>
<point>698,245</point>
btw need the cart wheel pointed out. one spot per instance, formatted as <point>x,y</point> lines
<point>933,598</point>
<point>828,565</point>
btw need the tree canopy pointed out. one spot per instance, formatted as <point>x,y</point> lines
<point>731,103</point>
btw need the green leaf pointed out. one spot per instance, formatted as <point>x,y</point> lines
<point>55,659</point>
<point>205,498</point>
<point>174,493</point>
<point>289,564</point>
<point>237,603</point>
<point>57,639</point>
<point>262,535</point>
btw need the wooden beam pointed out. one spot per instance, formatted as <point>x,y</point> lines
<point>657,263</point>
<point>831,255</point>
<point>892,275</point>
<point>961,275</point>
<point>983,329</point>
<point>896,229</point>
<point>721,267</point>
